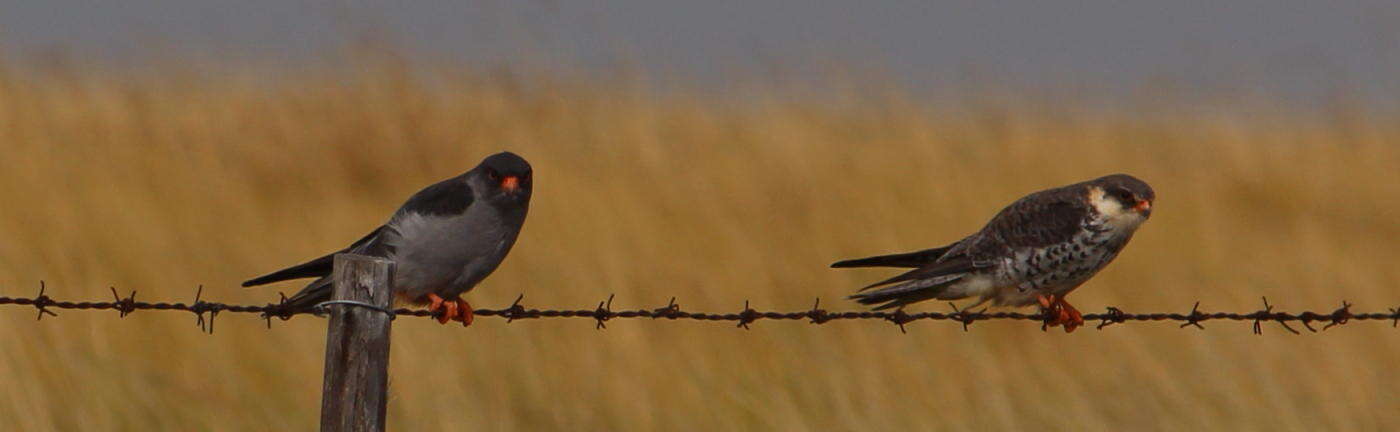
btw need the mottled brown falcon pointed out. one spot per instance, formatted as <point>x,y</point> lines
<point>1035,251</point>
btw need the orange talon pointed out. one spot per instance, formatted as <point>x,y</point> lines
<point>436,304</point>
<point>1070,316</point>
<point>465,314</point>
<point>451,312</point>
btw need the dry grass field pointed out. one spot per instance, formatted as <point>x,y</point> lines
<point>162,183</point>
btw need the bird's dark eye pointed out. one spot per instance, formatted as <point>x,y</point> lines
<point>1125,197</point>
<point>491,174</point>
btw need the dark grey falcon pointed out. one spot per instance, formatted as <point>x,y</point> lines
<point>1036,250</point>
<point>443,241</point>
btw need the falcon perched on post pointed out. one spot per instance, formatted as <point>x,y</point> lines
<point>1036,250</point>
<point>444,240</point>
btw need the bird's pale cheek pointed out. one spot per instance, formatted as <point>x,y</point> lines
<point>1133,220</point>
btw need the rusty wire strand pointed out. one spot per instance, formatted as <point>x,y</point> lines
<point>205,311</point>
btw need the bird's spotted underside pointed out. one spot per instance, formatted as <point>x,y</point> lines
<point>1036,250</point>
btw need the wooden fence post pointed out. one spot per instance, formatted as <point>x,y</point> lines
<point>355,388</point>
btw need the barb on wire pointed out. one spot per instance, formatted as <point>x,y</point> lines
<point>817,314</point>
<point>603,313</point>
<point>201,307</point>
<point>1113,316</point>
<point>42,302</point>
<point>277,310</point>
<point>747,316</point>
<point>123,306</point>
<point>668,312</point>
<point>514,311</point>
<point>1268,313</point>
<point>205,311</point>
<point>1194,319</point>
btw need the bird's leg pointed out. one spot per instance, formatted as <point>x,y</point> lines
<point>437,303</point>
<point>1050,306</point>
<point>464,312</point>
<point>1070,316</point>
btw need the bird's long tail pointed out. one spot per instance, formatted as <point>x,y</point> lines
<point>911,259</point>
<point>319,267</point>
<point>942,288</point>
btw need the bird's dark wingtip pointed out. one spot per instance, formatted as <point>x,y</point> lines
<point>263,280</point>
<point>878,303</point>
<point>861,262</point>
<point>876,261</point>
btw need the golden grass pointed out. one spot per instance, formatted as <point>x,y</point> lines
<point>161,183</point>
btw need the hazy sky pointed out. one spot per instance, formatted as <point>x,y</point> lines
<point>1287,46</point>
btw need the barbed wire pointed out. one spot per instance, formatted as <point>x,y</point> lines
<point>206,311</point>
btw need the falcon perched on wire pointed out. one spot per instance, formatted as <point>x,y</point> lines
<point>1036,250</point>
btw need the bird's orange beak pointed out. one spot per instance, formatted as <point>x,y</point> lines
<point>510,183</point>
<point>1143,206</point>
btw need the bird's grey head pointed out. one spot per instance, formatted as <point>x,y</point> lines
<point>1123,198</point>
<point>502,177</point>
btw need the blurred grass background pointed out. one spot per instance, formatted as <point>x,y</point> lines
<point>160,182</point>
